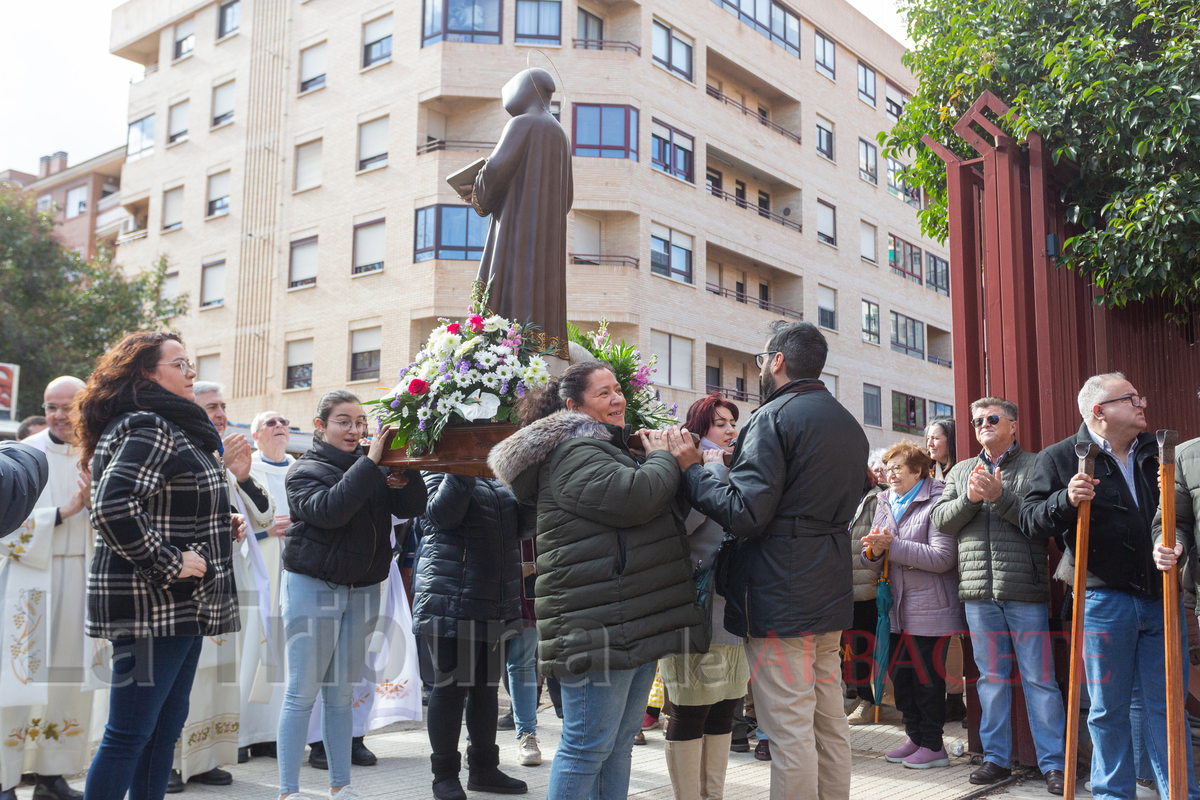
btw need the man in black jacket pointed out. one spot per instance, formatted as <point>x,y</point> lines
<point>23,476</point>
<point>1123,607</point>
<point>796,477</point>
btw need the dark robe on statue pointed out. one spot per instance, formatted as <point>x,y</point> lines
<point>526,186</point>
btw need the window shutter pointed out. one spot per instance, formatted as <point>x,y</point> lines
<point>300,353</point>
<point>366,340</point>
<point>223,99</point>
<point>587,235</point>
<point>304,262</point>
<point>308,165</point>
<point>369,244</point>
<point>681,362</point>
<point>172,207</point>
<point>218,185</point>
<point>178,121</point>
<point>660,345</point>
<point>825,221</point>
<point>312,62</point>
<point>826,298</point>
<point>866,234</point>
<point>185,29</point>
<point>660,231</point>
<point>170,287</point>
<point>372,138</point>
<point>208,368</point>
<point>377,29</point>
<point>212,283</point>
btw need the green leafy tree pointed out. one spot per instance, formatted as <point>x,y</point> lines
<point>58,311</point>
<point>1113,86</point>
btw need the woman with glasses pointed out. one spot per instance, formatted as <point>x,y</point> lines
<point>161,577</point>
<point>335,555</point>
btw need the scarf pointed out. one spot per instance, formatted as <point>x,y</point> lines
<point>180,412</point>
<point>900,504</point>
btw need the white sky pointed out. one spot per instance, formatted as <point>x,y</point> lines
<point>66,92</point>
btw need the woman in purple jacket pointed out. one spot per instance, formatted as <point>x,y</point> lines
<point>926,610</point>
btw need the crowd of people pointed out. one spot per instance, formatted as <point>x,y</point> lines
<point>180,597</point>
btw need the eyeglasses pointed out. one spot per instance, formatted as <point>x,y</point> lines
<point>347,424</point>
<point>1135,400</point>
<point>271,423</point>
<point>892,470</point>
<point>184,365</point>
<point>51,408</point>
<point>761,358</point>
<point>990,419</point>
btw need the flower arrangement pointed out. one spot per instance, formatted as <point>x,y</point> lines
<point>643,407</point>
<point>469,371</point>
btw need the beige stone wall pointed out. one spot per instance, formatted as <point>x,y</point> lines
<point>453,90</point>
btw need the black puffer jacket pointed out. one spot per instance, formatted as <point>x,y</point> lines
<point>343,509</point>
<point>469,558</point>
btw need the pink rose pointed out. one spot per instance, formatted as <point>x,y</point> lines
<point>417,387</point>
<point>454,328</point>
<point>475,323</point>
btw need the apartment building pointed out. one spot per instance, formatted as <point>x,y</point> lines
<point>83,198</point>
<point>290,156</point>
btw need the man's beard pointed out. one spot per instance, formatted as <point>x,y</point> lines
<point>766,385</point>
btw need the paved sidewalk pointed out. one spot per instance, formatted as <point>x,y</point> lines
<point>403,770</point>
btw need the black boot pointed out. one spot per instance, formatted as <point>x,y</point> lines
<point>54,787</point>
<point>317,759</point>
<point>955,708</point>
<point>483,773</point>
<point>214,777</point>
<point>175,782</point>
<point>445,776</point>
<point>360,756</point>
<point>243,755</point>
<point>264,750</point>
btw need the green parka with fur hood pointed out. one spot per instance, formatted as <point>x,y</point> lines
<point>614,587</point>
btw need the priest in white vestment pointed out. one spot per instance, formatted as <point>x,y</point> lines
<point>45,712</point>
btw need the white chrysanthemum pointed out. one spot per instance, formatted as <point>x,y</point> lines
<point>501,350</point>
<point>491,380</point>
<point>487,359</point>
<point>494,323</point>
<point>456,396</point>
<point>506,372</point>
<point>444,406</point>
<point>423,413</point>
<point>537,374</point>
<point>473,376</point>
<point>427,371</point>
<point>445,345</point>
<point>467,346</point>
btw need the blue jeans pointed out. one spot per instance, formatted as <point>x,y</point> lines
<point>522,680</point>
<point>148,704</point>
<point>1000,631</point>
<point>327,629</point>
<point>602,712</point>
<point>1123,645</point>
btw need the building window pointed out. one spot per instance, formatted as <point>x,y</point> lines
<point>866,241</point>
<point>76,201</point>
<point>170,287</point>
<point>223,104</point>
<point>454,233</point>
<point>212,284</point>
<point>825,138</point>
<point>908,336</point>
<point>539,21</point>
<point>370,243</point>
<point>185,37</point>
<point>302,266</point>
<point>377,41</point>
<point>674,366</point>
<point>308,165</point>
<point>218,194</point>
<point>899,187</point>
<point>673,50</point>
<point>670,253</point>
<point>827,307</point>
<point>826,223</point>
<point>172,214</point>
<point>938,276</point>
<point>365,346</point>
<point>141,139</point>
<point>712,181</point>
<point>299,364</point>
<point>764,204</point>
<point>894,101</point>
<point>208,368</point>
<point>589,29</point>
<point>908,414</point>
<point>372,143</point>
<point>940,410</point>
<point>312,67</point>
<point>45,203</point>
<point>671,151</point>
<point>870,322</point>
<point>587,240</point>
<point>866,84</point>
<point>229,18</point>
<point>872,405</point>
<point>868,162</point>
<point>606,131</point>
<point>825,54</point>
<point>904,258</point>
<point>177,123</point>
<point>764,296</point>
<point>772,20</point>
<point>830,382</point>
<point>461,21</point>
<point>712,377</point>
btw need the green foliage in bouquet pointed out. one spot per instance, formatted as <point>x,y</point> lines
<point>643,407</point>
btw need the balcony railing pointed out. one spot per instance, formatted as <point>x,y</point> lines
<point>716,93</point>
<point>606,259</point>
<point>606,44</point>
<point>147,71</point>
<point>131,236</point>
<point>766,305</point>
<point>452,144</point>
<point>762,212</point>
<point>941,362</point>
<point>734,394</point>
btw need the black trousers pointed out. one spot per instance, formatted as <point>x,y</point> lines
<point>918,671</point>
<point>861,640</point>
<point>688,723</point>
<point>466,672</point>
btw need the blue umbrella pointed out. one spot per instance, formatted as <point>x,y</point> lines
<point>883,631</point>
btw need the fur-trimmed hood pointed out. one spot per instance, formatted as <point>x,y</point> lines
<point>533,444</point>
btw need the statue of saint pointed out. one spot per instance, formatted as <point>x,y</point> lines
<point>526,185</point>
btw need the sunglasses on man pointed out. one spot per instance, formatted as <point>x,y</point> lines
<point>990,419</point>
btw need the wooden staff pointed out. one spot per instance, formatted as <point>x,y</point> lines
<point>1176,752</point>
<point>1087,464</point>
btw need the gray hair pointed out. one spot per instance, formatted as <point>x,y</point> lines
<point>208,387</point>
<point>327,404</point>
<point>260,418</point>
<point>1007,406</point>
<point>875,457</point>
<point>1093,392</point>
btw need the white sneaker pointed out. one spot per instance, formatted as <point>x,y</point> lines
<point>863,714</point>
<point>529,754</point>
<point>346,793</point>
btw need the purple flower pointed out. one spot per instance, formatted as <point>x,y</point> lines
<point>504,388</point>
<point>421,427</point>
<point>396,403</point>
<point>463,367</point>
<point>520,389</point>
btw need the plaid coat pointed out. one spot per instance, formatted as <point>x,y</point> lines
<point>154,495</point>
